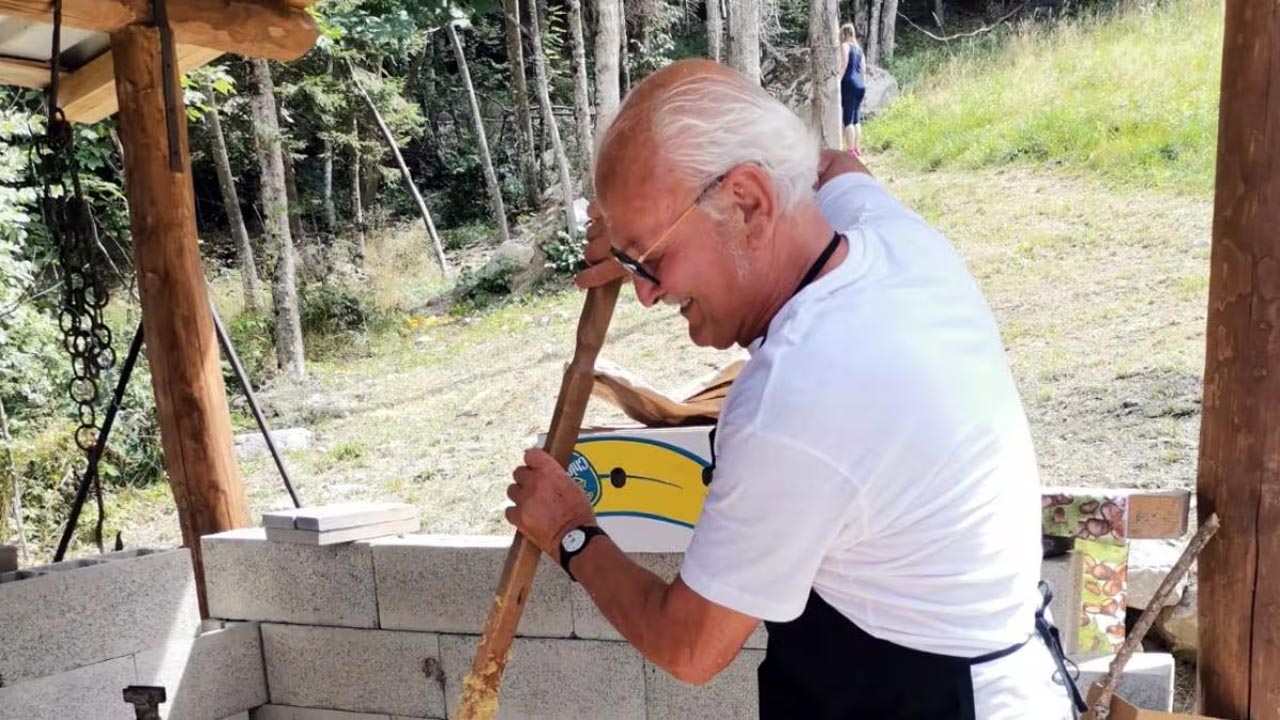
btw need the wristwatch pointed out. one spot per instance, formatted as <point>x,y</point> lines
<point>574,542</point>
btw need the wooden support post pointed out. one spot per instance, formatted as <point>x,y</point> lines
<point>1239,476</point>
<point>191,402</point>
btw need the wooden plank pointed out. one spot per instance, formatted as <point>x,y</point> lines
<point>89,94</point>
<point>269,29</point>
<point>191,402</point>
<point>1239,470</point>
<point>24,73</point>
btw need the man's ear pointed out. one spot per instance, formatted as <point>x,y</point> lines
<point>756,202</point>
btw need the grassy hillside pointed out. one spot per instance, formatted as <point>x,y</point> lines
<point>1131,94</point>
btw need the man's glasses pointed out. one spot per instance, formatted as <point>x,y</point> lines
<point>635,266</point>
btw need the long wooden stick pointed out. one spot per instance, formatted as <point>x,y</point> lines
<point>1102,705</point>
<point>480,689</point>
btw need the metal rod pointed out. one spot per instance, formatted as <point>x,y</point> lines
<point>225,341</point>
<point>91,471</point>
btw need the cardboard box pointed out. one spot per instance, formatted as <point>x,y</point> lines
<point>647,485</point>
<point>1121,710</point>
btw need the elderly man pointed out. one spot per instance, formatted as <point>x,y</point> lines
<point>875,497</point>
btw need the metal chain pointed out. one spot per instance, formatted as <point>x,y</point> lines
<point>86,336</point>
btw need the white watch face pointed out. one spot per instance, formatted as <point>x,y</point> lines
<point>573,540</point>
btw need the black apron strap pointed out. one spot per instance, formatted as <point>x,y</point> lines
<point>1053,641</point>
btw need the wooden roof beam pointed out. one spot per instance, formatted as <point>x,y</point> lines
<point>24,73</point>
<point>89,94</point>
<point>271,30</point>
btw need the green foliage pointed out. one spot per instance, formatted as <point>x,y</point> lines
<point>336,309</point>
<point>1131,94</point>
<point>347,450</point>
<point>564,255</point>
<point>252,335</point>
<point>466,236</point>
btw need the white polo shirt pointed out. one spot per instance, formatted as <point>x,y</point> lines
<point>875,450</point>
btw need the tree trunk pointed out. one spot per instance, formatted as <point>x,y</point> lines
<point>330,209</point>
<point>291,196</point>
<point>715,30</point>
<point>404,170</point>
<point>861,19</point>
<point>624,54</point>
<point>549,120</point>
<point>581,96</point>
<point>824,65</point>
<point>524,119</point>
<point>227,184</point>
<point>275,217</point>
<point>608,53</point>
<point>888,34</point>
<point>357,203</point>
<point>744,38</point>
<point>490,178</point>
<point>415,70</point>
<point>939,12</point>
<point>873,34</point>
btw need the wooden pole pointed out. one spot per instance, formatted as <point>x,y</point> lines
<point>480,688</point>
<point>191,402</point>
<point>1239,475</point>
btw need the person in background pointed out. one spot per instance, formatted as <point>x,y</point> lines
<point>853,87</point>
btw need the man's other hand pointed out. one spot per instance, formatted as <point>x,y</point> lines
<point>837,162</point>
<point>548,503</point>
<point>602,267</point>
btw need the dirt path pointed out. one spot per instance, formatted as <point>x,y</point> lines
<point>1101,297</point>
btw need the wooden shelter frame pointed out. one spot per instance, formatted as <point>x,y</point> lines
<point>1239,462</point>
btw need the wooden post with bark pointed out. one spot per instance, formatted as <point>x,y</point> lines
<point>477,121</point>
<point>524,119</point>
<point>275,215</point>
<point>549,121</point>
<point>744,38</point>
<point>824,68</point>
<point>231,201</point>
<point>357,202</point>
<point>404,169</point>
<point>1239,472</point>
<point>581,95</point>
<point>191,401</point>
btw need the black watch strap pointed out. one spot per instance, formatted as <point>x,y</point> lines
<point>588,531</point>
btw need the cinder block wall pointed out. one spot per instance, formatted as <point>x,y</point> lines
<point>387,629</point>
<point>75,634</point>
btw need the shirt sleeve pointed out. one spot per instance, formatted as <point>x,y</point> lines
<point>850,199</point>
<point>773,510</point>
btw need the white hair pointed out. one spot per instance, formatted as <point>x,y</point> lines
<point>708,124</point>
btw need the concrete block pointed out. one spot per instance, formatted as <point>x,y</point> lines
<point>734,693</point>
<point>8,558</point>
<point>339,515</point>
<point>238,716</point>
<point>343,535</point>
<point>73,614</point>
<point>1065,575</point>
<point>95,692</point>
<point>555,679</point>
<point>249,578</point>
<point>370,671</point>
<point>1147,680</point>
<point>445,583</point>
<point>589,624</point>
<point>287,712</point>
<point>215,675</point>
<point>1149,562</point>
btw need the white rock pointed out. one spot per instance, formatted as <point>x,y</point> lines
<point>252,445</point>
<point>514,252</point>
<point>882,88</point>
<point>1149,562</point>
<point>1177,625</point>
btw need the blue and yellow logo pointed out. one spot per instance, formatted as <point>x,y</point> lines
<point>636,477</point>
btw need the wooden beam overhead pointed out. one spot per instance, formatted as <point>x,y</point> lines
<point>89,94</point>
<point>273,30</point>
<point>24,73</point>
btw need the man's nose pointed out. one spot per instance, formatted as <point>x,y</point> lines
<point>648,293</point>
